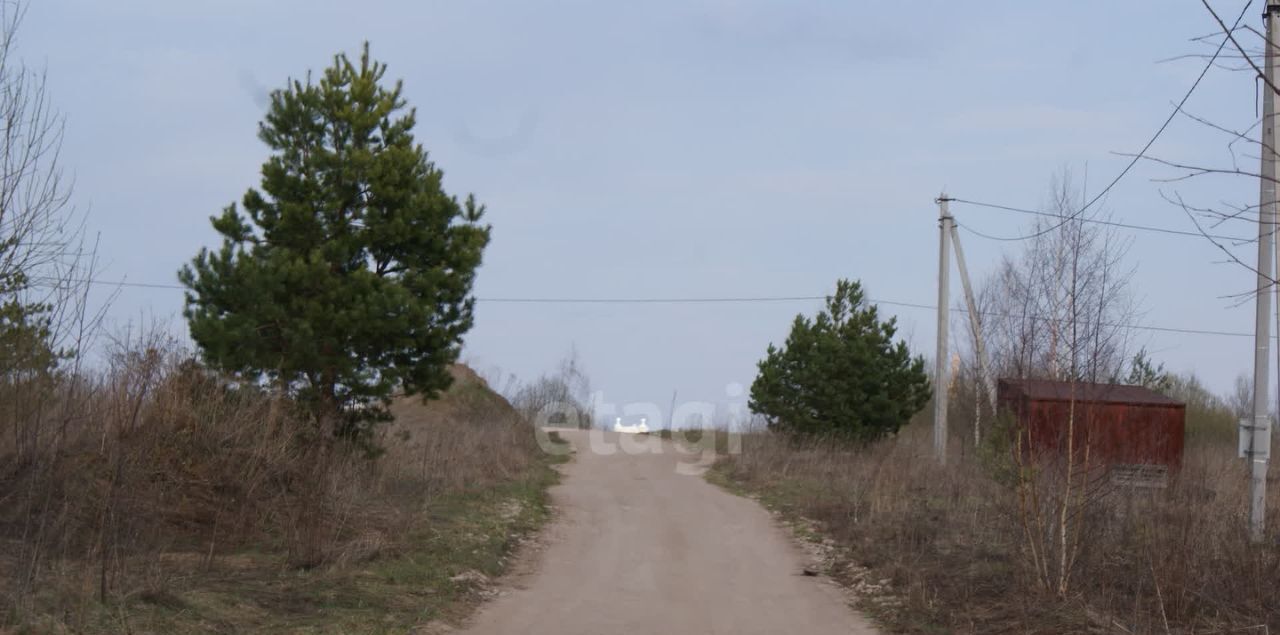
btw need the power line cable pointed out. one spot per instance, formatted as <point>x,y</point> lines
<point>55,282</point>
<point>724,300</point>
<point>783,298</point>
<point>1149,228</point>
<point>1141,153</point>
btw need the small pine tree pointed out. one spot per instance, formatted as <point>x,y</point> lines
<point>1143,371</point>
<point>26,338</point>
<point>841,373</point>
<point>349,274</point>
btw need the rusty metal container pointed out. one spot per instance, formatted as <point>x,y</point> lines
<point>1128,427</point>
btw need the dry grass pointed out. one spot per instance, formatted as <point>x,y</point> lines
<point>949,540</point>
<point>157,497</point>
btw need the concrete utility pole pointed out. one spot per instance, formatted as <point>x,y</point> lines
<point>945,223</point>
<point>1260,431</point>
<point>975,324</point>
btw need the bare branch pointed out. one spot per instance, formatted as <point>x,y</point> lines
<point>1230,33</point>
<point>1230,254</point>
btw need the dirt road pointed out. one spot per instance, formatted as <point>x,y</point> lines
<point>643,546</point>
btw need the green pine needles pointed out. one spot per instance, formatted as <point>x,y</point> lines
<point>348,275</point>
<point>841,373</point>
<point>27,347</point>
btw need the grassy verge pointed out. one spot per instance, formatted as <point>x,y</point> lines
<point>437,573</point>
<point>719,440</point>
<point>178,506</point>
<point>942,549</point>
<point>892,587</point>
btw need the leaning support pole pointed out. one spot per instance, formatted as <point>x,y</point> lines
<point>941,360</point>
<point>975,326</point>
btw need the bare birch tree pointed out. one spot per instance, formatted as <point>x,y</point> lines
<point>45,270</point>
<point>1062,307</point>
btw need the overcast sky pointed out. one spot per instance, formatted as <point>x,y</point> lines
<point>702,148</point>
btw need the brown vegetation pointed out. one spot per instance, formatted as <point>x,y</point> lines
<point>950,541</point>
<point>158,496</point>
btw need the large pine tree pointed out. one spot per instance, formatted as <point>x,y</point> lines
<point>841,373</point>
<point>349,274</point>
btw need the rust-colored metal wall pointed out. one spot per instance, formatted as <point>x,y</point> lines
<point>1117,424</point>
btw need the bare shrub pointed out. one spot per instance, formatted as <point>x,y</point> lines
<point>562,398</point>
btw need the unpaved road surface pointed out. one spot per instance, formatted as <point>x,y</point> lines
<point>641,545</point>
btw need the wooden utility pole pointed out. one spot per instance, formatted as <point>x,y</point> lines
<point>945,223</point>
<point>1260,430</point>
